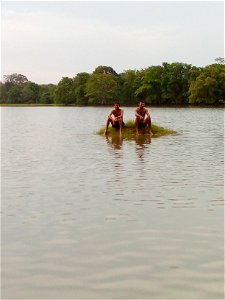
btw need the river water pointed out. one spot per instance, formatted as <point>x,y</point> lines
<point>85,217</point>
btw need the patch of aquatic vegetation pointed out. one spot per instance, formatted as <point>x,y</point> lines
<point>128,132</point>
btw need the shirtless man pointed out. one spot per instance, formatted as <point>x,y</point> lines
<point>142,118</point>
<point>115,118</point>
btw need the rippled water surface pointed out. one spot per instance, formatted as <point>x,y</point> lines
<point>87,217</point>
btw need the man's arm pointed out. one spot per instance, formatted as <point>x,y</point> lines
<point>137,114</point>
<point>147,112</point>
<point>112,113</point>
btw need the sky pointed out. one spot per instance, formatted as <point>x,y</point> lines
<point>48,40</point>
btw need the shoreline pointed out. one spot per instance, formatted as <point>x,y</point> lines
<point>74,105</point>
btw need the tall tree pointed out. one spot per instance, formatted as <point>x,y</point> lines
<point>65,92</point>
<point>130,82</point>
<point>102,89</point>
<point>14,79</point>
<point>80,83</point>
<point>13,85</point>
<point>209,87</point>
<point>104,70</point>
<point>3,94</point>
<point>175,83</point>
<point>14,95</point>
<point>150,88</point>
<point>47,92</point>
<point>30,93</point>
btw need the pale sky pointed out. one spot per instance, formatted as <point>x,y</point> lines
<point>46,41</point>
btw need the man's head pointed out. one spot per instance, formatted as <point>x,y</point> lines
<point>141,103</point>
<point>116,105</point>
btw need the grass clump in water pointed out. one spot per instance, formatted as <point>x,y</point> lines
<point>129,131</point>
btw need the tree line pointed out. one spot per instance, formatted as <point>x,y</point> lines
<point>167,84</point>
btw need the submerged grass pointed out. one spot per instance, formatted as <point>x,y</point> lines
<point>128,132</point>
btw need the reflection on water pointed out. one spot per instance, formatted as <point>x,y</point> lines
<point>141,143</point>
<point>108,218</point>
<point>142,140</point>
<point>116,141</point>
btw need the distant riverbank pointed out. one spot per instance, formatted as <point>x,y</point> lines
<point>73,105</point>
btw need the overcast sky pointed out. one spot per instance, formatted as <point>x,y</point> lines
<point>46,41</point>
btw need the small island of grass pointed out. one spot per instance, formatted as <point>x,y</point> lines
<point>128,132</point>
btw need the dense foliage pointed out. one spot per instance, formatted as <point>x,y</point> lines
<point>168,84</point>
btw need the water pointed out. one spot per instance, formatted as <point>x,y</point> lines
<point>87,217</point>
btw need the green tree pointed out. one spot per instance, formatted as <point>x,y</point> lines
<point>150,88</point>
<point>3,94</point>
<point>175,83</point>
<point>102,89</point>
<point>12,88</point>
<point>209,87</point>
<point>130,82</point>
<point>14,79</point>
<point>194,73</point>
<point>65,92</point>
<point>104,70</point>
<point>30,93</point>
<point>47,92</point>
<point>80,83</point>
<point>46,98</point>
<point>14,95</point>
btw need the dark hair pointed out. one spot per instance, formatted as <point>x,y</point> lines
<point>117,103</point>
